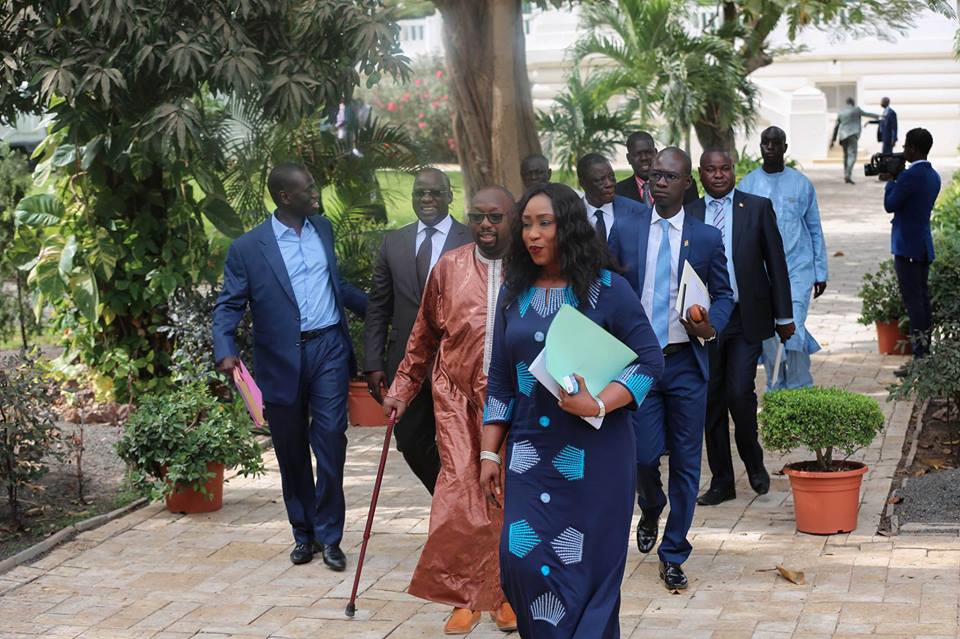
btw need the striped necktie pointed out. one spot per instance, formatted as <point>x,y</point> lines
<point>719,217</point>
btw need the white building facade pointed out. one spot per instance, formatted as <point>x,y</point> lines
<point>800,92</point>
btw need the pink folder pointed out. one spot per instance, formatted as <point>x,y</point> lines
<point>252,396</point>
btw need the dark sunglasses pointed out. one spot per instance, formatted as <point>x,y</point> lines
<point>477,218</point>
<point>422,193</point>
<point>668,176</point>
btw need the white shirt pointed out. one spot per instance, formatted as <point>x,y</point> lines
<point>676,332</point>
<point>607,210</point>
<point>443,229</point>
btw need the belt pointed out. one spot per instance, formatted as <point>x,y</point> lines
<point>673,349</point>
<point>306,336</point>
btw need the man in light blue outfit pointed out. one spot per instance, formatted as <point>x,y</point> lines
<point>798,218</point>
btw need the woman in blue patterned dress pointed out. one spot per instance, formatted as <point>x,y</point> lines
<point>569,488</point>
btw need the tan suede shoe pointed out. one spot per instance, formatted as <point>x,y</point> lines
<point>461,622</point>
<point>505,618</point>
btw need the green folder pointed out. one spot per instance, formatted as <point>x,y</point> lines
<point>576,344</point>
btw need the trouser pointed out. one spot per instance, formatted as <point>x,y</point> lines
<point>316,421</point>
<point>671,416</point>
<point>912,276</point>
<point>849,155</point>
<point>794,366</point>
<point>732,390</point>
<point>416,434</point>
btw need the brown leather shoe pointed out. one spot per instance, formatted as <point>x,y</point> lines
<point>505,618</point>
<point>461,622</point>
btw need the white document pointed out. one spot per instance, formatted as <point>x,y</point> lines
<point>691,291</point>
<point>539,370</point>
<point>776,364</point>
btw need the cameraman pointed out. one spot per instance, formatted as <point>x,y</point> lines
<point>910,197</point>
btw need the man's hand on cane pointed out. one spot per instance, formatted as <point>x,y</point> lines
<point>395,406</point>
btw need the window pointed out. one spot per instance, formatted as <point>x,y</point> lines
<point>838,93</point>
<point>411,32</point>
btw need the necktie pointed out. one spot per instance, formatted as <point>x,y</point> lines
<point>646,194</point>
<point>719,220</point>
<point>661,287</point>
<point>601,226</point>
<point>424,256</point>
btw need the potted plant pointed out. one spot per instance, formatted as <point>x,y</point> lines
<point>882,305</point>
<point>826,491</point>
<point>357,241</point>
<point>178,444</point>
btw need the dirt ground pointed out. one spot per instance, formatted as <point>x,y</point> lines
<point>932,489</point>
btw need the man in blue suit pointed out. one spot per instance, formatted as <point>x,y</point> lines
<point>886,126</point>
<point>286,271</point>
<point>604,207</point>
<point>654,245</point>
<point>910,196</point>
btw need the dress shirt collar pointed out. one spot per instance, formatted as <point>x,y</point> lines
<point>442,227</point>
<point>707,198</point>
<point>279,228</point>
<point>592,210</point>
<point>920,162</point>
<point>676,221</point>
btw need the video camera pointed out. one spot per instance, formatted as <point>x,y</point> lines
<point>892,163</point>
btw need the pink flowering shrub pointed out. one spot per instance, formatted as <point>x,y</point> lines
<point>423,107</point>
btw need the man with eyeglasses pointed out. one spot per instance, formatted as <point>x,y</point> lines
<point>603,205</point>
<point>641,150</point>
<point>406,258</point>
<point>654,246</point>
<point>761,288</point>
<point>460,564</point>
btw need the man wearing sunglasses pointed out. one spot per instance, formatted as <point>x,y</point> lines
<point>459,565</point>
<point>406,257</point>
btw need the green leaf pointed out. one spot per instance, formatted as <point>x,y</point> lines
<point>39,210</point>
<point>65,155</point>
<point>104,254</point>
<point>66,256</point>
<point>222,216</point>
<point>83,289</point>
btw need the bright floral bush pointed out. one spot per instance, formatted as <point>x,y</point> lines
<point>423,106</point>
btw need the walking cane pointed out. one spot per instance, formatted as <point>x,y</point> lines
<point>352,606</point>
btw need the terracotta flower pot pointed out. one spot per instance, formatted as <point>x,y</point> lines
<point>891,340</point>
<point>826,503</point>
<point>185,500</point>
<point>362,409</point>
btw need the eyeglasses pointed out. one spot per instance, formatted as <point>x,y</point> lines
<point>422,193</point>
<point>477,218</point>
<point>666,175</point>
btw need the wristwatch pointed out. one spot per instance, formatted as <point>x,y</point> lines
<point>712,337</point>
<point>601,407</point>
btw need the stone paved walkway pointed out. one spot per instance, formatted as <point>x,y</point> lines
<point>153,574</point>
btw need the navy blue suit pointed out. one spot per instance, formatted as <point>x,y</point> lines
<point>672,417</point>
<point>911,198</point>
<point>298,378</point>
<point>887,130</point>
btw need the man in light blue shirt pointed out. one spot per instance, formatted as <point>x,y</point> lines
<point>309,274</point>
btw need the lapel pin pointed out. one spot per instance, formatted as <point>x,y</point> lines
<point>741,205</point>
<point>686,242</point>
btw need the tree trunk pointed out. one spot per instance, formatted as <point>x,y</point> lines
<point>20,314</point>
<point>494,125</point>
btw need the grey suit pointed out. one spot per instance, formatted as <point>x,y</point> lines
<point>392,307</point>
<point>848,128</point>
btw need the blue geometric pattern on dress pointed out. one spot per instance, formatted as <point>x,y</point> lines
<point>523,457</point>
<point>523,302</point>
<point>569,546</point>
<point>548,607</point>
<point>569,462</point>
<point>525,379</point>
<point>593,292</point>
<point>570,298</point>
<point>497,411</point>
<point>522,538</point>
<point>547,301</point>
<point>637,383</point>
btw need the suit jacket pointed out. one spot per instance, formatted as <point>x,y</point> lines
<point>255,274</point>
<point>701,245</point>
<point>628,188</point>
<point>911,198</point>
<point>622,206</point>
<point>887,127</point>
<point>763,283</point>
<point>850,122</point>
<point>395,297</point>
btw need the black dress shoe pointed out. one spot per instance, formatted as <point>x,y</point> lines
<point>760,482</point>
<point>672,576</point>
<point>334,557</point>
<point>647,531</point>
<point>301,554</point>
<point>716,496</point>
